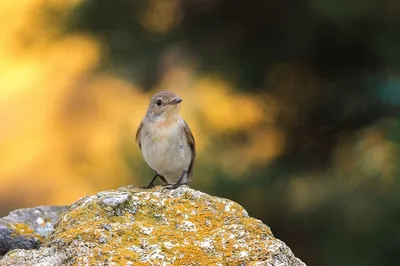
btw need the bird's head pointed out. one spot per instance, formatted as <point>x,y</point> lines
<point>164,104</point>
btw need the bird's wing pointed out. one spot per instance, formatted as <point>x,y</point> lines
<point>138,132</point>
<point>192,145</point>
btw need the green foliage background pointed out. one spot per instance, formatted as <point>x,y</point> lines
<point>351,46</point>
<point>294,106</point>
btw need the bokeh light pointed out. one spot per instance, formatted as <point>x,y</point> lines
<point>294,108</point>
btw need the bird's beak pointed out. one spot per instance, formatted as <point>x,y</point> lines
<point>176,100</point>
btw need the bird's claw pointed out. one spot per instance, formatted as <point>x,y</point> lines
<point>172,186</point>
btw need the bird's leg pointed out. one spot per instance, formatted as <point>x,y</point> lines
<point>178,183</point>
<point>151,184</point>
<point>163,179</point>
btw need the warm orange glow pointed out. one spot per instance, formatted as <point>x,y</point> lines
<point>64,129</point>
<point>161,15</point>
<point>67,131</point>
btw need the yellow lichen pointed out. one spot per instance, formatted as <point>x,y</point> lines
<point>22,229</point>
<point>181,221</point>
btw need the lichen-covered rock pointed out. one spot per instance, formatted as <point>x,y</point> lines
<point>131,226</point>
<point>27,228</point>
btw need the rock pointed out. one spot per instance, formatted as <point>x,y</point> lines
<point>132,226</point>
<point>27,228</point>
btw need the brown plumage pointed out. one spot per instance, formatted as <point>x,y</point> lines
<point>166,141</point>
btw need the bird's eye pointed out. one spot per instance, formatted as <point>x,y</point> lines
<point>159,102</point>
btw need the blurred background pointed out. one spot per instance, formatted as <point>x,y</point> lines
<point>294,106</point>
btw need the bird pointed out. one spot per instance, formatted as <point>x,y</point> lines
<point>166,141</point>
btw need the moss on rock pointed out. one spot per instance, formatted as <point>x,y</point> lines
<point>132,226</point>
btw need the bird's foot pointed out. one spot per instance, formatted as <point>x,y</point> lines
<point>151,183</point>
<point>172,186</point>
<point>179,183</point>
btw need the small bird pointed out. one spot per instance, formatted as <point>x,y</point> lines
<point>166,142</point>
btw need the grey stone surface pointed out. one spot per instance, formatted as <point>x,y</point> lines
<point>27,228</point>
<point>132,226</point>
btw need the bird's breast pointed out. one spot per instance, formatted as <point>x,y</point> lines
<point>166,150</point>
